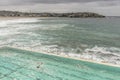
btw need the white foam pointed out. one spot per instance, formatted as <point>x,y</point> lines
<point>85,55</point>
<point>9,27</point>
<point>96,53</point>
<point>110,55</point>
<point>14,21</point>
<point>52,26</point>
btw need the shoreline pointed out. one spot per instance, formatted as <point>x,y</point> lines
<point>45,52</point>
<point>14,18</point>
<point>64,56</point>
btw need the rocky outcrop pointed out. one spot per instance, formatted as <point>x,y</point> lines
<point>71,15</point>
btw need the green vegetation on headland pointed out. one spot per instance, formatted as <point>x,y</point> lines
<point>71,15</point>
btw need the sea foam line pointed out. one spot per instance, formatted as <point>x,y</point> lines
<point>65,56</point>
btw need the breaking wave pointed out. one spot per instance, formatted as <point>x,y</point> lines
<point>9,27</point>
<point>99,54</point>
<point>18,34</point>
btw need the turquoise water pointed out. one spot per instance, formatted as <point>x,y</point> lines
<point>95,39</point>
<point>16,64</point>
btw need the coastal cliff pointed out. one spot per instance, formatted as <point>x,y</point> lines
<point>71,15</point>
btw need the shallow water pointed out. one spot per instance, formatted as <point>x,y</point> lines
<point>95,39</point>
<point>16,64</point>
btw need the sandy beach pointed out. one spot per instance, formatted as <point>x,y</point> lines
<point>14,18</point>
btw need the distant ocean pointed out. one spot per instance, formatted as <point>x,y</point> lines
<point>90,38</point>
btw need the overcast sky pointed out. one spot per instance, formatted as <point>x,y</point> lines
<point>105,7</point>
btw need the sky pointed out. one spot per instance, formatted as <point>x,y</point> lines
<point>105,7</point>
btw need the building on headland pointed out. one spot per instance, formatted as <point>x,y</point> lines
<point>70,15</point>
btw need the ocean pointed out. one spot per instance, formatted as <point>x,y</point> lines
<point>92,38</point>
<point>96,39</point>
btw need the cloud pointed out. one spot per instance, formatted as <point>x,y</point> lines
<point>22,2</point>
<point>105,7</point>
